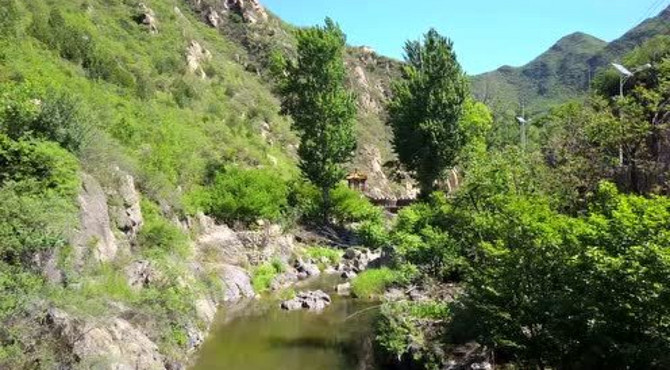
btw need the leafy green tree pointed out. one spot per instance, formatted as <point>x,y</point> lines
<point>556,291</point>
<point>426,109</point>
<point>323,109</point>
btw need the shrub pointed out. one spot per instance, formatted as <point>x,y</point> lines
<point>9,18</point>
<point>262,275</point>
<point>347,206</point>
<point>57,117</point>
<point>304,201</point>
<point>245,195</point>
<point>374,282</point>
<point>351,206</point>
<point>31,223</point>
<point>590,290</point>
<point>160,236</point>
<point>373,234</point>
<point>317,253</point>
<point>38,166</point>
<point>400,334</point>
<point>430,236</point>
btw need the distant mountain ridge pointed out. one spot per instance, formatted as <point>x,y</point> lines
<point>562,72</point>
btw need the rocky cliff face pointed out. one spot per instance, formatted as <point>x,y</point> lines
<point>124,336</point>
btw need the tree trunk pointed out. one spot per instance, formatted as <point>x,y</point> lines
<point>325,197</point>
<point>426,188</point>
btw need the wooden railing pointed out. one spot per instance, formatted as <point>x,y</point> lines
<point>392,205</point>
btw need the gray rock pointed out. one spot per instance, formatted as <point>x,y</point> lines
<point>147,18</point>
<point>343,289</point>
<point>330,270</point>
<point>351,253</point>
<point>115,342</point>
<point>128,216</point>
<point>311,269</point>
<point>394,294</point>
<point>140,274</point>
<point>195,338</point>
<point>219,239</point>
<point>237,283</point>
<point>312,300</point>
<point>292,304</point>
<point>205,310</point>
<point>95,232</point>
<point>348,275</point>
<point>284,280</point>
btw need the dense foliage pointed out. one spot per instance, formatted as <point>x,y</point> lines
<point>245,195</point>
<point>322,108</point>
<point>426,109</point>
<point>561,251</point>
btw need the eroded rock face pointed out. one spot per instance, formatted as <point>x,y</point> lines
<point>114,344</point>
<point>195,56</point>
<point>147,17</point>
<point>206,310</point>
<point>251,11</point>
<point>264,244</point>
<point>95,232</point>
<point>140,274</point>
<point>237,283</point>
<point>128,216</point>
<point>219,239</point>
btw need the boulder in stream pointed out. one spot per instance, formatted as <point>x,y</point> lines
<point>312,300</point>
<point>344,289</point>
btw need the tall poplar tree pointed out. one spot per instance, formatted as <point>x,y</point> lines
<point>426,109</point>
<point>323,109</point>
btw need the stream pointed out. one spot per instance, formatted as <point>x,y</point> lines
<point>258,335</point>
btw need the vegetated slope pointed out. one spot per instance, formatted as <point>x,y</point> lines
<point>110,112</point>
<point>563,72</point>
<point>260,34</point>
<point>174,97</point>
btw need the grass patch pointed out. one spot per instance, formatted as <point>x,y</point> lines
<point>317,253</point>
<point>374,282</point>
<point>262,275</point>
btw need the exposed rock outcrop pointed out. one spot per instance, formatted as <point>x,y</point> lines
<point>218,239</point>
<point>127,216</point>
<point>147,17</point>
<point>95,232</point>
<point>196,55</point>
<point>237,283</point>
<point>113,344</point>
<point>250,11</point>
<point>140,274</point>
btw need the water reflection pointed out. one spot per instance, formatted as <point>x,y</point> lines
<point>262,337</point>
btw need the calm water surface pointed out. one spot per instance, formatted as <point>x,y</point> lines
<point>259,336</point>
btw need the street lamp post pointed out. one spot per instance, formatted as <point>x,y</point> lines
<point>523,122</point>
<point>624,75</point>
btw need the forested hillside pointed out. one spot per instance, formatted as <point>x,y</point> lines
<point>564,72</point>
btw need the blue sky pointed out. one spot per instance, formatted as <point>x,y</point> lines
<point>486,33</point>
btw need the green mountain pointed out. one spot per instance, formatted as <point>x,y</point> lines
<point>557,73</point>
<point>561,73</point>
